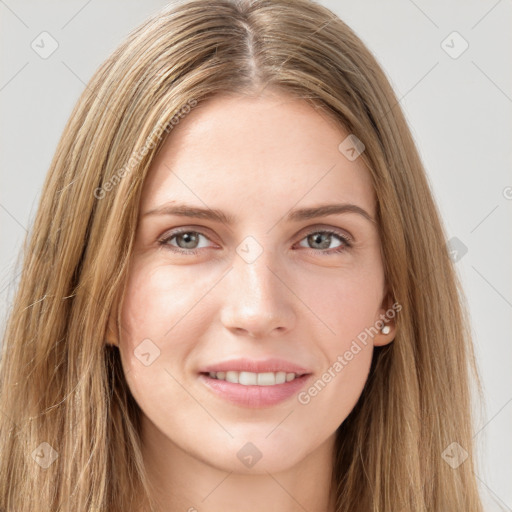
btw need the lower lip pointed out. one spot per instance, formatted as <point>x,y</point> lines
<point>255,396</point>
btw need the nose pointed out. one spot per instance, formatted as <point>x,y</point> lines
<point>258,299</point>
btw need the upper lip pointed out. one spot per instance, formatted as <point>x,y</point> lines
<point>255,366</point>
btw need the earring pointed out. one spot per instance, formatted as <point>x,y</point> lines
<point>386,329</point>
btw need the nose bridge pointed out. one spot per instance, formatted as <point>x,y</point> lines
<point>257,301</point>
<point>255,277</point>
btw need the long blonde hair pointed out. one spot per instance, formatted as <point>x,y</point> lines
<point>61,384</point>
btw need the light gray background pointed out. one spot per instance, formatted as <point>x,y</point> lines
<point>459,110</point>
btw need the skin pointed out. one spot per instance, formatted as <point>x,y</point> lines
<point>255,158</point>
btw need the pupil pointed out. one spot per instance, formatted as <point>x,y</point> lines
<point>189,239</point>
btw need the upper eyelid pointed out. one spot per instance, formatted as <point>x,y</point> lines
<point>178,231</point>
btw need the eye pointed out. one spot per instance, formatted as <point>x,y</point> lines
<point>322,239</point>
<point>187,241</point>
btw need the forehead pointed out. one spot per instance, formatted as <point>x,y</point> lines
<point>256,152</point>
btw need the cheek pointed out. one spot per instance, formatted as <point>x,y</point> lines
<point>343,306</point>
<point>335,391</point>
<point>160,327</point>
<point>158,302</point>
<point>346,309</point>
<point>156,330</point>
<point>164,318</point>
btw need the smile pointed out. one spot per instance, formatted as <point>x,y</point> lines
<point>272,390</point>
<point>254,379</point>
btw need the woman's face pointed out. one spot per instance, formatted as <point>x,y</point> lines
<point>233,271</point>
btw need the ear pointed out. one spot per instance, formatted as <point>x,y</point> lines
<point>386,317</point>
<point>111,337</point>
<point>112,332</point>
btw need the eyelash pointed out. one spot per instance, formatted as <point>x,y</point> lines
<point>342,248</point>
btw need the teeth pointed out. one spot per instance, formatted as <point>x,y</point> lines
<point>254,379</point>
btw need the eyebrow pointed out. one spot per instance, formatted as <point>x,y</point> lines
<point>295,215</point>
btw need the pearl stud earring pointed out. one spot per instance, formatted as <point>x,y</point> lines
<point>386,329</point>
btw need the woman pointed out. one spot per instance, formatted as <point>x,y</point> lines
<point>179,341</point>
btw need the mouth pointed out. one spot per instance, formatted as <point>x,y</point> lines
<point>254,379</point>
<point>254,390</point>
